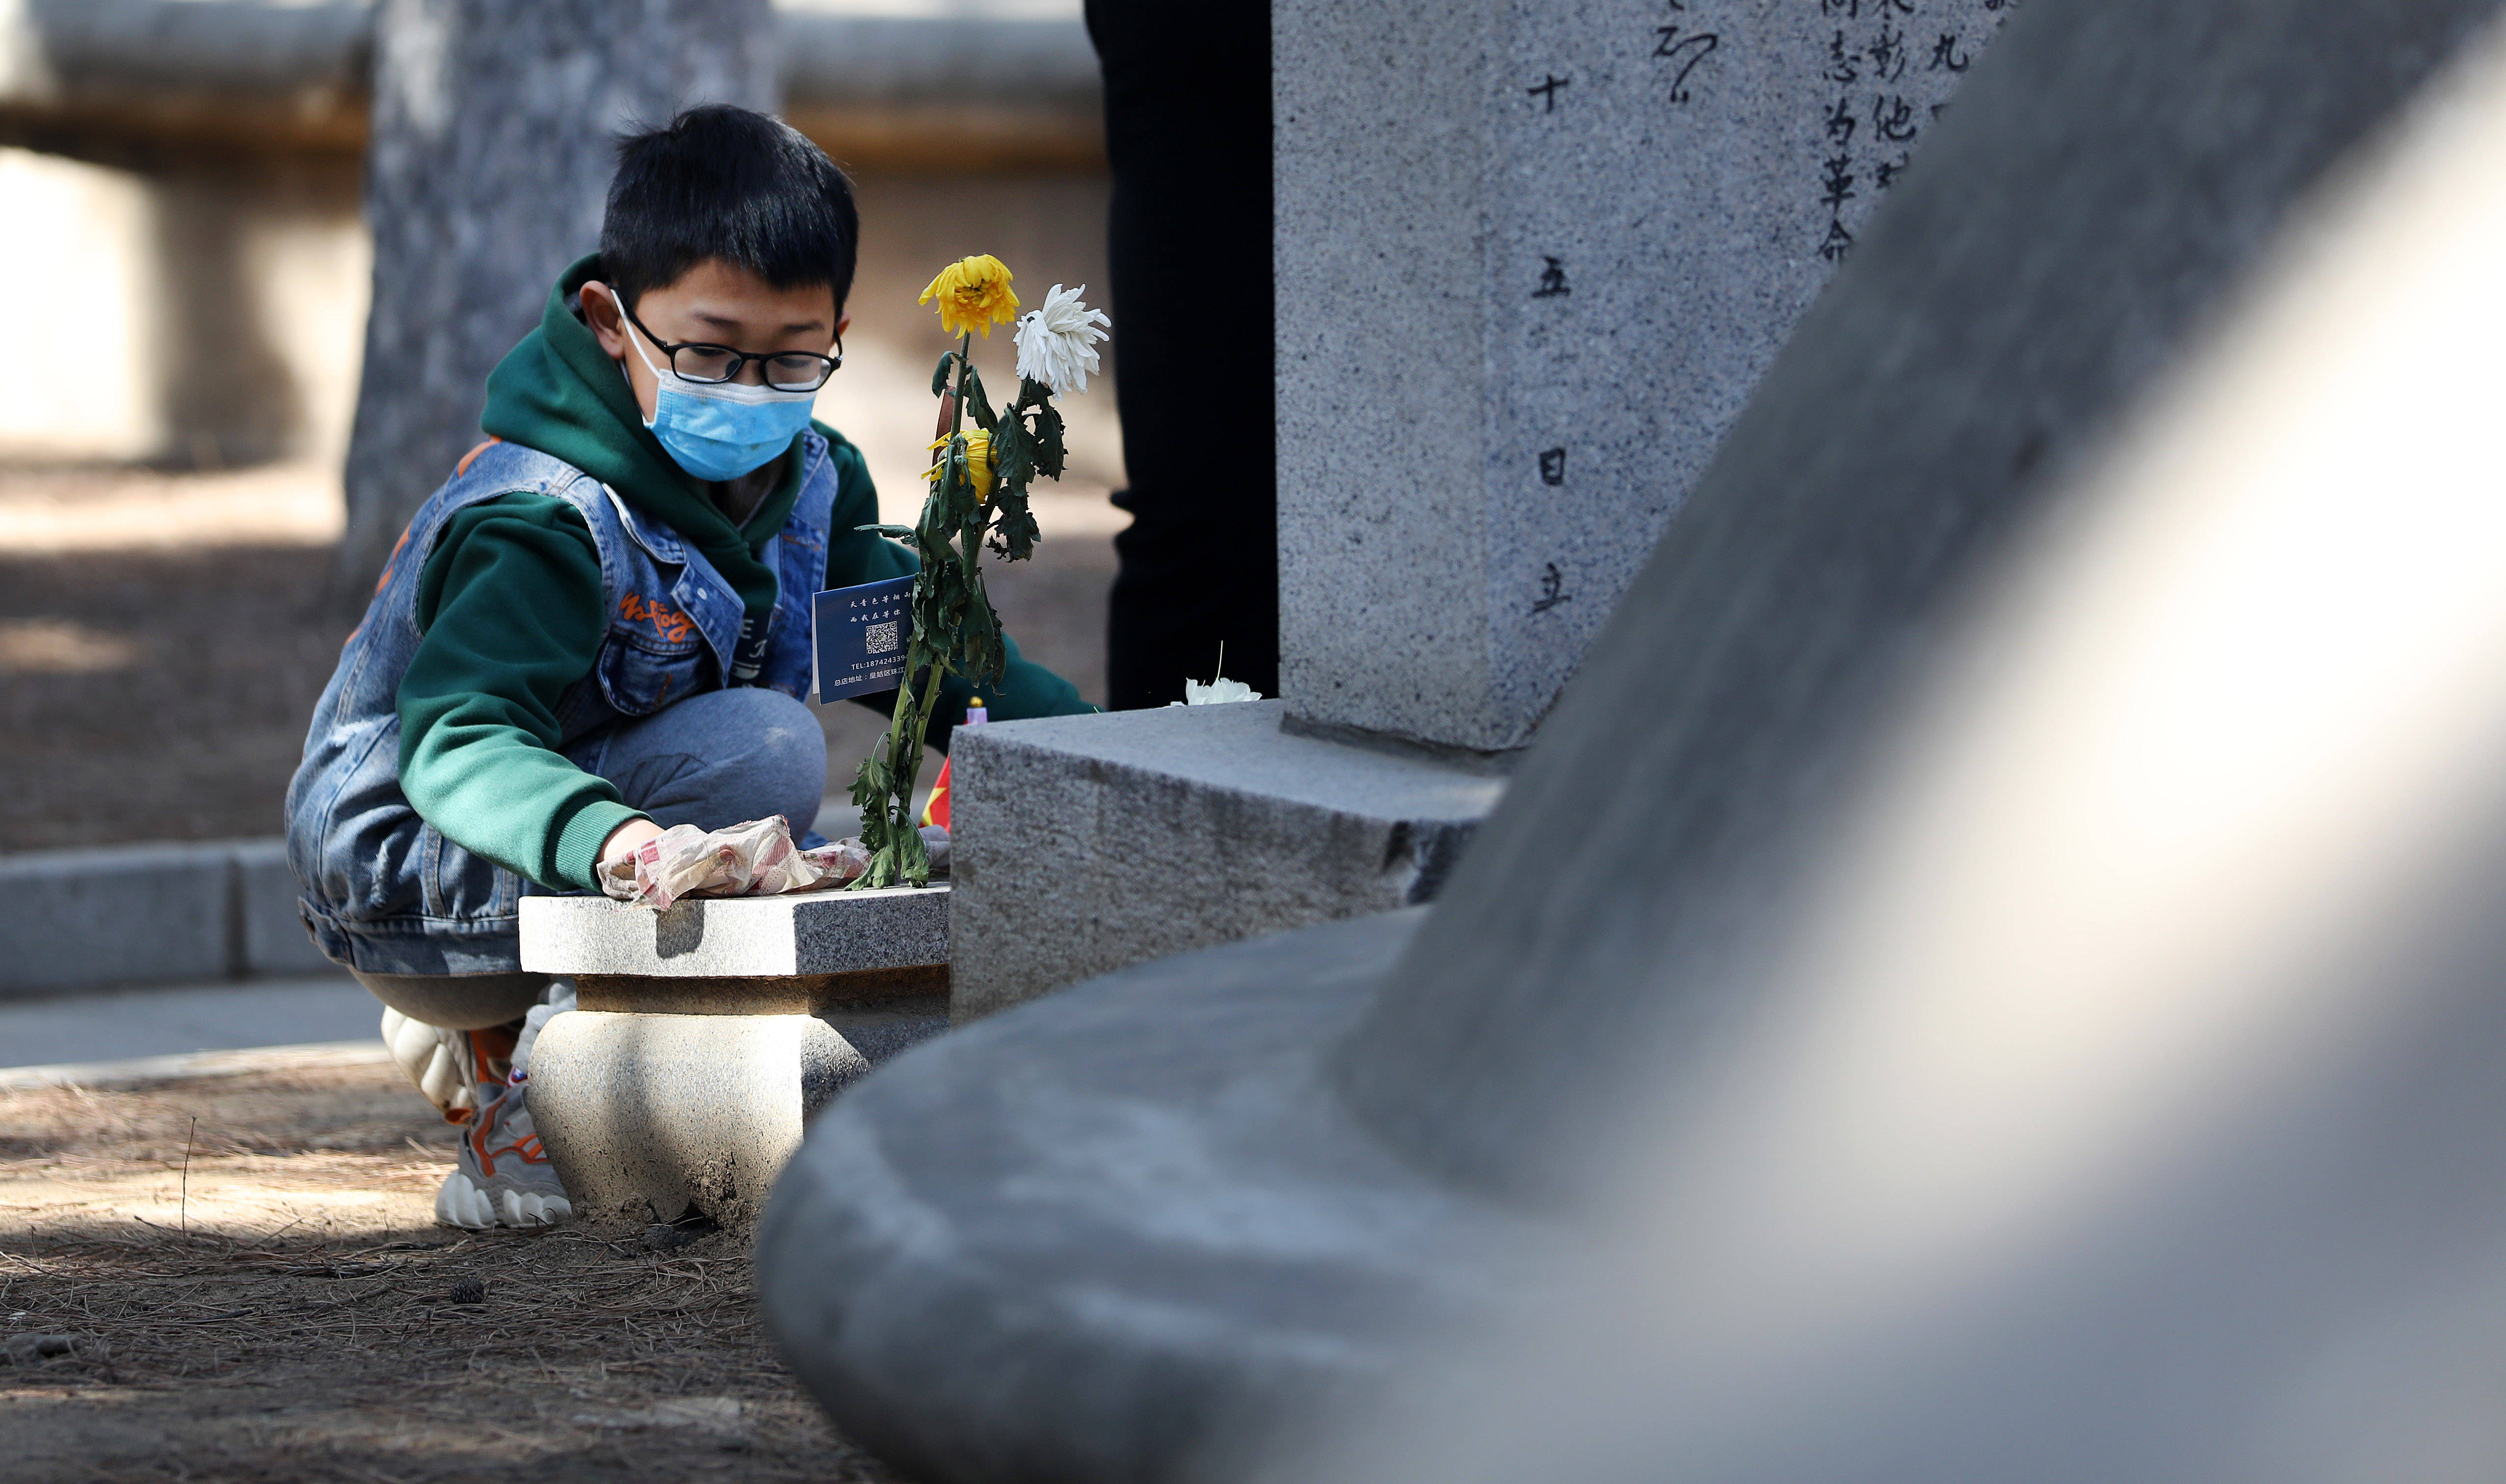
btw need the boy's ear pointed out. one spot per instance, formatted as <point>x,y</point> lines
<point>601,312</point>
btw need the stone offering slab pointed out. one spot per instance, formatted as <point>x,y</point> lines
<point>1085,843</point>
<point>808,934</point>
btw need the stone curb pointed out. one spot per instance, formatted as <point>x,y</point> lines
<point>133,916</point>
<point>140,1071</point>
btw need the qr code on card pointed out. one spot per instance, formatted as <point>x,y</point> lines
<point>879,638</point>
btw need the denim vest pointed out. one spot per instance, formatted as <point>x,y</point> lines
<point>387,892</point>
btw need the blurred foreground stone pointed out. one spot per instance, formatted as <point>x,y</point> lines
<point>1989,970</point>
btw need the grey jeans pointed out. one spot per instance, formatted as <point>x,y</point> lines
<point>718,758</point>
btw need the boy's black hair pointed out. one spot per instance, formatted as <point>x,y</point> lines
<point>725,182</point>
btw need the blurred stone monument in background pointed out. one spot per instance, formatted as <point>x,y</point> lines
<point>1989,972</point>
<point>487,163</point>
<point>199,165</point>
<point>1531,259</point>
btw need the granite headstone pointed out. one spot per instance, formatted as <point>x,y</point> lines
<point>1533,259</point>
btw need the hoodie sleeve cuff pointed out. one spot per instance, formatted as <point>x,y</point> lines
<point>577,856</point>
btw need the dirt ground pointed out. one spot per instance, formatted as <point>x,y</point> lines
<point>163,639</point>
<point>243,1283</point>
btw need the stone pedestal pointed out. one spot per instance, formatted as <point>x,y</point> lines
<point>705,1035</point>
<point>1085,843</point>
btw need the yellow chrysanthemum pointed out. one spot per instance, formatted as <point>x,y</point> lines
<point>974,294</point>
<point>978,461</point>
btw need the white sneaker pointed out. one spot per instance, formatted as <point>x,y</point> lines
<point>503,1178</point>
<point>443,1065</point>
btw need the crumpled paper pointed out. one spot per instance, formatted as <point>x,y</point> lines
<point>757,858</point>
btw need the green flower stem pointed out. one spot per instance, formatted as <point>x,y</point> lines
<point>970,535</point>
<point>898,853</point>
<point>957,406</point>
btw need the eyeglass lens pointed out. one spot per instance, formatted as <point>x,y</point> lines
<point>793,372</point>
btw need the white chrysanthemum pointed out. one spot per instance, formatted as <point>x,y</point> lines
<point>1218,693</point>
<point>1056,343</point>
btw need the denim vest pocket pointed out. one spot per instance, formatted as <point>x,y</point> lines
<point>460,887</point>
<point>639,675</point>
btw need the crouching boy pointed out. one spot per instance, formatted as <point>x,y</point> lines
<point>601,625</point>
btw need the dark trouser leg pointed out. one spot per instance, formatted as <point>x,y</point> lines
<point>1187,133</point>
<point>465,1002</point>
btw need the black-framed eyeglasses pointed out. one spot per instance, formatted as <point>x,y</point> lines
<point>785,371</point>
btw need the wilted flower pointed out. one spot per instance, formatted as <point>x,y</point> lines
<point>1057,345</point>
<point>978,461</point>
<point>974,294</point>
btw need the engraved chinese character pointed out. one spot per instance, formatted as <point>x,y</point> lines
<point>1553,465</point>
<point>1553,279</point>
<point>1947,57</point>
<point>1553,583</point>
<point>1840,183</point>
<point>1887,55</point>
<point>1884,174</point>
<point>1840,62</point>
<point>1840,122</point>
<point>1892,120</point>
<point>1687,51</point>
<point>1839,241</point>
<point>1548,91</point>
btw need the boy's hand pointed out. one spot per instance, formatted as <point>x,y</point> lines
<point>626,838</point>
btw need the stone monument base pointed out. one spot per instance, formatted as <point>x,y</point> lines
<point>1084,845</point>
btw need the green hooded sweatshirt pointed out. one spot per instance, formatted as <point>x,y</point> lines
<point>510,607</point>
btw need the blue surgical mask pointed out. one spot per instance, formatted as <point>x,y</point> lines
<point>721,430</point>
